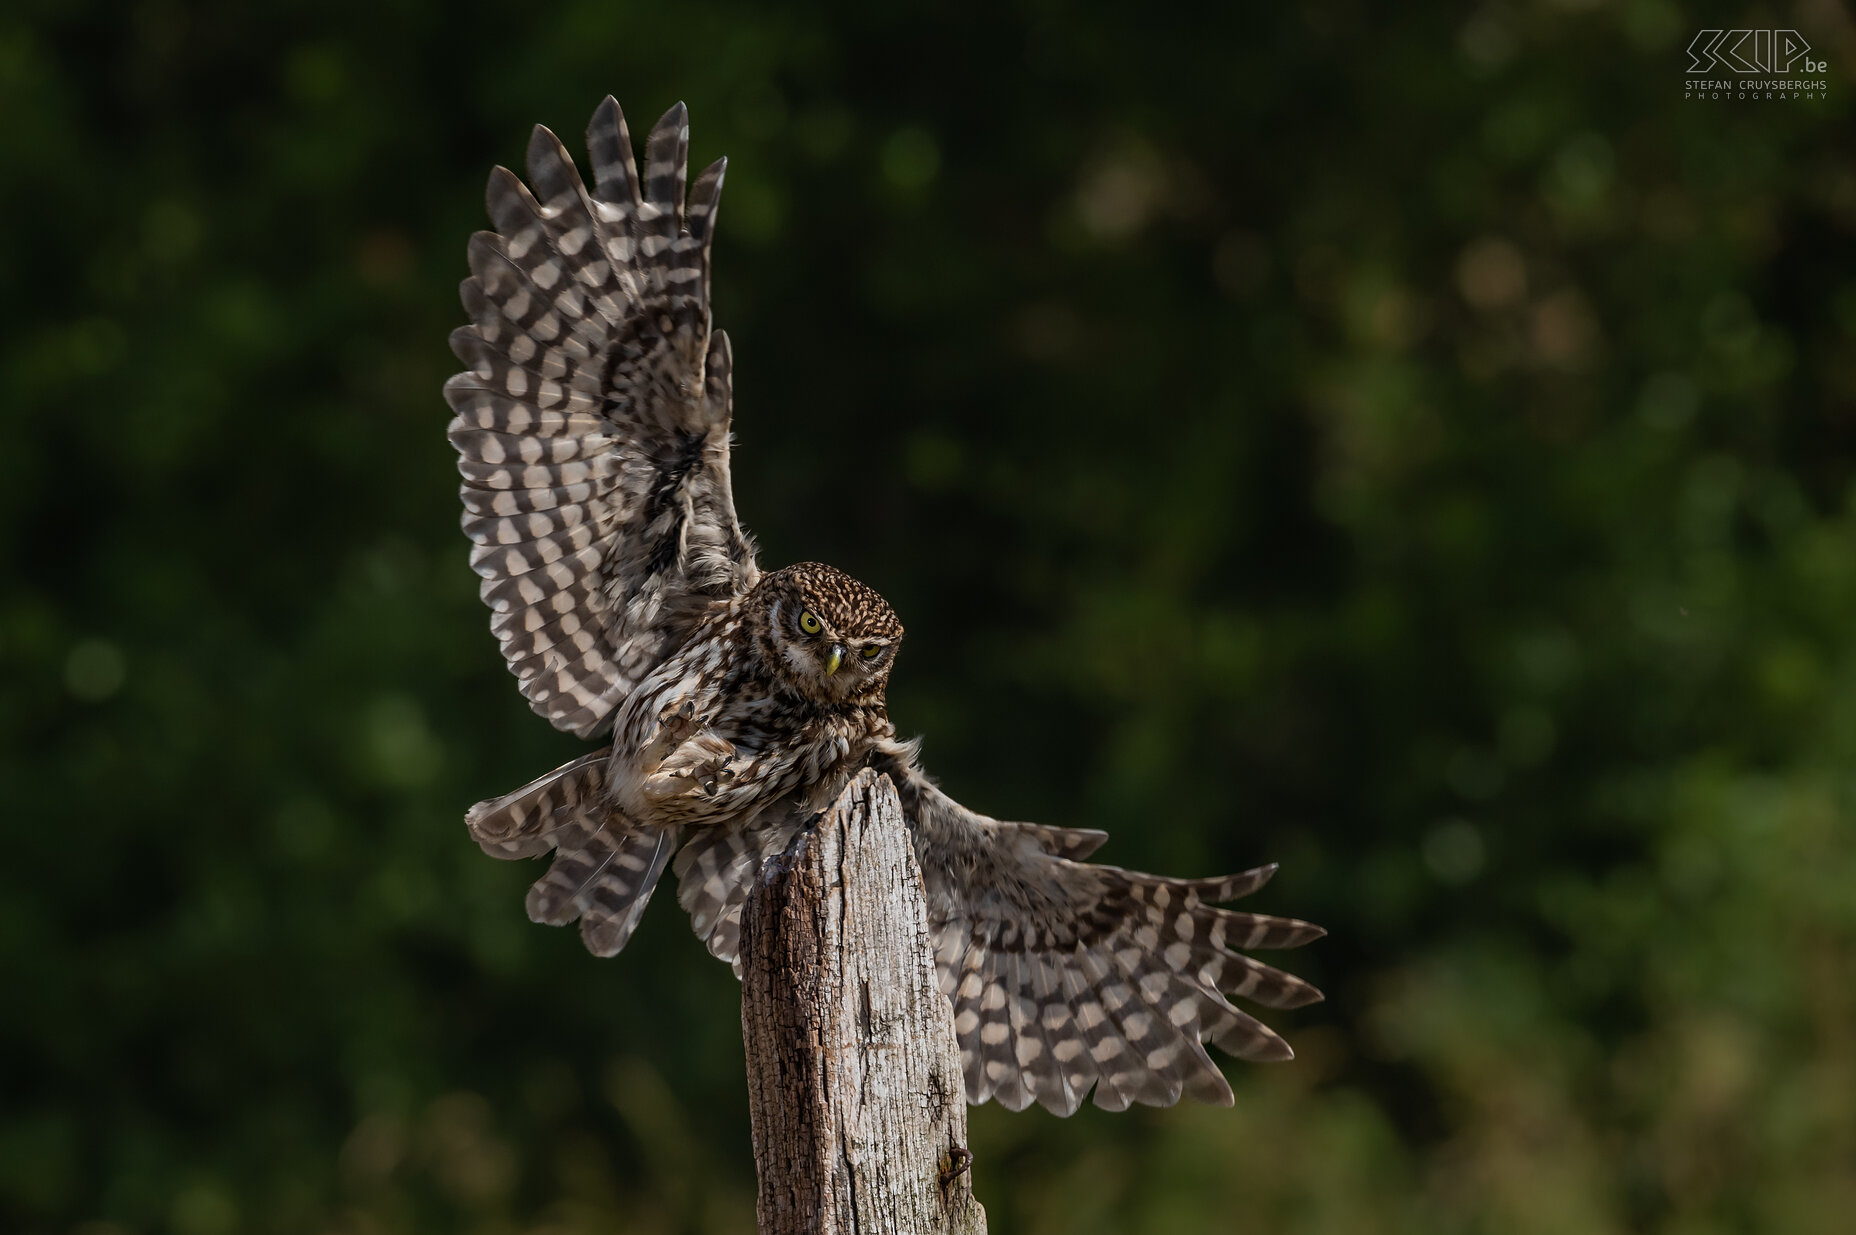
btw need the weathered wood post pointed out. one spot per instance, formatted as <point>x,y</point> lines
<point>854,1081</point>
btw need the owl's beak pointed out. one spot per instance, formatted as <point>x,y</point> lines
<point>835,659</point>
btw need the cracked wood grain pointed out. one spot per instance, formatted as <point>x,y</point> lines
<point>854,1081</point>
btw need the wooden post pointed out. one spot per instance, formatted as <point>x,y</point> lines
<point>854,1080</point>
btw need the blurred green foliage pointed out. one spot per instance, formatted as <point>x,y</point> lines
<point>1412,444</point>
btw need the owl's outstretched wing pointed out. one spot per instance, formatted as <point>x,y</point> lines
<point>1066,975</point>
<point>1063,974</point>
<point>592,424</point>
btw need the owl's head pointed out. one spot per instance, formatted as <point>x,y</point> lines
<point>828,636</point>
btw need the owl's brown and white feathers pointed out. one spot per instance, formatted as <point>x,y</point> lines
<point>1065,974</point>
<point>592,424</point>
<point>592,434</point>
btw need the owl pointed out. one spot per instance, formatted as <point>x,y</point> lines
<point>592,431</point>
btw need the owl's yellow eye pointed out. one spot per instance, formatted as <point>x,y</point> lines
<point>871,651</point>
<point>808,622</point>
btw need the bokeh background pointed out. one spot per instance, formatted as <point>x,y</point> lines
<point>1411,444</point>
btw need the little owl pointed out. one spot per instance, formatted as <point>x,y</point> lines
<point>592,430</point>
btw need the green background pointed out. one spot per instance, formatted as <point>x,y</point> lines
<point>1412,444</point>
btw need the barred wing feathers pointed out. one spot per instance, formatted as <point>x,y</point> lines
<point>604,869</point>
<point>592,424</point>
<point>1067,975</point>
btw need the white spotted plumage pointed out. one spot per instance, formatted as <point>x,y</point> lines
<point>592,434</point>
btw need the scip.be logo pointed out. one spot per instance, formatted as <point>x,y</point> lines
<point>1752,51</point>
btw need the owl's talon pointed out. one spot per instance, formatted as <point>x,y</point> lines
<point>675,725</point>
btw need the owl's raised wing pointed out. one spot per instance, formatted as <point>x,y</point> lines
<point>592,424</point>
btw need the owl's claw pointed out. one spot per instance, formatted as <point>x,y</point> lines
<point>675,726</point>
<point>687,783</point>
<point>680,721</point>
<point>685,758</point>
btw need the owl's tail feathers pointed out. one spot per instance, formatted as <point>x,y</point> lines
<point>605,867</point>
<point>716,871</point>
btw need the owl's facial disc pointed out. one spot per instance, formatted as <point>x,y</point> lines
<point>822,649</point>
<point>833,639</point>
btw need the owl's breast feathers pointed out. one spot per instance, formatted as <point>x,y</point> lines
<point>715,734</point>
